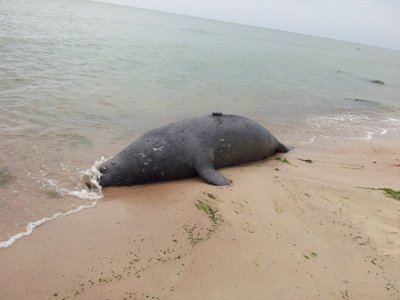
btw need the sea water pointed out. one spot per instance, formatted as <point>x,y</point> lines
<point>80,80</point>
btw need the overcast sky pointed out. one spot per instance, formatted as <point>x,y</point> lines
<point>372,22</point>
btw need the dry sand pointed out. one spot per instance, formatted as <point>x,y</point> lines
<point>281,231</point>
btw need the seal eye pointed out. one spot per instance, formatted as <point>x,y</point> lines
<point>102,168</point>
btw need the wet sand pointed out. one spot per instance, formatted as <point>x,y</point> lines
<point>295,230</point>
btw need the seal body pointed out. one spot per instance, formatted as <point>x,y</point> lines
<point>189,148</point>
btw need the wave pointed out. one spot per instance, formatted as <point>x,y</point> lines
<point>352,125</point>
<point>32,225</point>
<point>94,194</point>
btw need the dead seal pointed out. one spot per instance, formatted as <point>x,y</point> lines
<point>189,148</point>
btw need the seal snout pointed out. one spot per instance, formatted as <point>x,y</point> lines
<point>106,166</point>
<point>106,172</point>
<point>103,180</point>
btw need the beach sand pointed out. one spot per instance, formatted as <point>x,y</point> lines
<point>294,230</point>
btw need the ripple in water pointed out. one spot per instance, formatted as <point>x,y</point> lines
<point>358,126</point>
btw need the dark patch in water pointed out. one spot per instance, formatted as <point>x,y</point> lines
<point>70,139</point>
<point>5,176</point>
<point>366,101</point>
<point>52,194</point>
<point>75,140</point>
<point>377,82</point>
<point>362,103</point>
<point>357,99</point>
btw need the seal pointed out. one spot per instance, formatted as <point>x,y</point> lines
<point>189,148</point>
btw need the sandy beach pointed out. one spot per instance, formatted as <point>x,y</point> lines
<point>296,230</point>
<point>81,80</point>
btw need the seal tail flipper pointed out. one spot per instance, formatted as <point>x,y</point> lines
<point>211,176</point>
<point>282,148</point>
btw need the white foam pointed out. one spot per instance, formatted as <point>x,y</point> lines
<point>310,141</point>
<point>353,125</point>
<point>93,175</point>
<point>82,194</point>
<point>90,178</point>
<point>392,121</point>
<point>86,195</point>
<point>369,135</point>
<point>32,225</point>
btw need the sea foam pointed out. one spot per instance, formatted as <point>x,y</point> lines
<point>357,126</point>
<point>90,176</point>
<point>32,225</point>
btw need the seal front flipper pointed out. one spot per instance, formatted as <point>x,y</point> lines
<point>207,172</point>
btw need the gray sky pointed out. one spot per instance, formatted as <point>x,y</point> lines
<point>372,22</point>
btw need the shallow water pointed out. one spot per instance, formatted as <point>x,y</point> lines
<point>80,80</point>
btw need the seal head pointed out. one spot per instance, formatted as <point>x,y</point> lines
<point>115,173</point>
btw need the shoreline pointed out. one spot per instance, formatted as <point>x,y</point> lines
<point>84,194</point>
<point>281,231</point>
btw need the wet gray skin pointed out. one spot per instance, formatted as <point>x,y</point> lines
<point>189,148</point>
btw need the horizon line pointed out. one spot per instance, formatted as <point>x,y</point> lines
<point>247,25</point>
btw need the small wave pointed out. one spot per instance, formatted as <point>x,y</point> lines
<point>92,174</point>
<point>32,225</point>
<point>392,121</point>
<point>357,126</point>
<point>310,141</point>
<point>82,194</point>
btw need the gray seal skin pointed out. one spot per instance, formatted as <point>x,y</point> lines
<point>189,148</point>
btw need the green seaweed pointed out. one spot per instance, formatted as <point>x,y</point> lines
<point>306,160</point>
<point>282,160</point>
<point>377,82</point>
<point>391,193</point>
<point>310,255</point>
<point>211,196</point>
<point>208,209</point>
<point>5,176</point>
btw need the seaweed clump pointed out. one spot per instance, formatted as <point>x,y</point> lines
<point>377,82</point>
<point>211,196</point>
<point>310,255</point>
<point>391,193</point>
<point>210,211</point>
<point>309,161</point>
<point>282,160</point>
